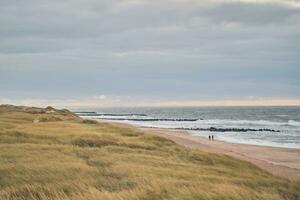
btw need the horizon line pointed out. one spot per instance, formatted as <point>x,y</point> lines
<point>109,101</point>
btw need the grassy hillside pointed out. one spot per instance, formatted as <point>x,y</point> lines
<point>53,154</point>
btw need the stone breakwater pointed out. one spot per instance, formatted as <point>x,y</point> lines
<point>94,114</point>
<point>150,119</point>
<point>213,129</point>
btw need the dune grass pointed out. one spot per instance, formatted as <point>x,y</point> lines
<point>53,154</point>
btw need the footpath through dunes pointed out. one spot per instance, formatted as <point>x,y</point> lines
<point>54,154</point>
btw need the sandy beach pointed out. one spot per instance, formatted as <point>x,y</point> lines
<point>283,162</point>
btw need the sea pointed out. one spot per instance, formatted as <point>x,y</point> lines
<point>277,126</point>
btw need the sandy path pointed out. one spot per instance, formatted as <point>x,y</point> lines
<point>284,162</point>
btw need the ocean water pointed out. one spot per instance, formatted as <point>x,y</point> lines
<point>270,126</point>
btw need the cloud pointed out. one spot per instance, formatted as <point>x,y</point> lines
<point>253,13</point>
<point>174,48</point>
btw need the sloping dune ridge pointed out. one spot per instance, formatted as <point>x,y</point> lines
<point>54,154</point>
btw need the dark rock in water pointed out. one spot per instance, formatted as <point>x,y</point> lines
<point>151,120</point>
<point>214,129</point>
<point>85,112</point>
<point>124,114</point>
<point>108,114</point>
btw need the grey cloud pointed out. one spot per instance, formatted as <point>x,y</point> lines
<point>107,46</point>
<point>253,14</point>
<point>69,19</point>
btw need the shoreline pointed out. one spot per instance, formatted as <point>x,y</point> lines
<point>283,162</point>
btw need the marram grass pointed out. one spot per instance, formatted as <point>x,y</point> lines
<point>53,154</point>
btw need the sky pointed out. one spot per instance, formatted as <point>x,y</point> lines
<point>149,52</point>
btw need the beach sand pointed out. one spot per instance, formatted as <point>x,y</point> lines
<point>283,162</point>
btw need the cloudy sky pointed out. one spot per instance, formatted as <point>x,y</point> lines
<point>115,51</point>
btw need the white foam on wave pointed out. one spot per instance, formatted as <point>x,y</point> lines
<point>210,122</point>
<point>233,138</point>
<point>260,142</point>
<point>293,123</point>
<point>248,122</point>
<point>240,122</point>
<point>218,123</point>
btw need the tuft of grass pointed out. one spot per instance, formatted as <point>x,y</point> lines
<point>71,158</point>
<point>88,121</point>
<point>94,142</point>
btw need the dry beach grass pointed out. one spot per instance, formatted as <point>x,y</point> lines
<point>53,154</point>
<point>284,162</point>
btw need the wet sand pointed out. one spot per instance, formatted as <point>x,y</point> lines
<point>283,162</point>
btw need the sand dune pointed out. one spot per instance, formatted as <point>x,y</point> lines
<point>284,162</point>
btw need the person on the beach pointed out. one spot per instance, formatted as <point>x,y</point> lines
<point>209,137</point>
<point>212,137</point>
